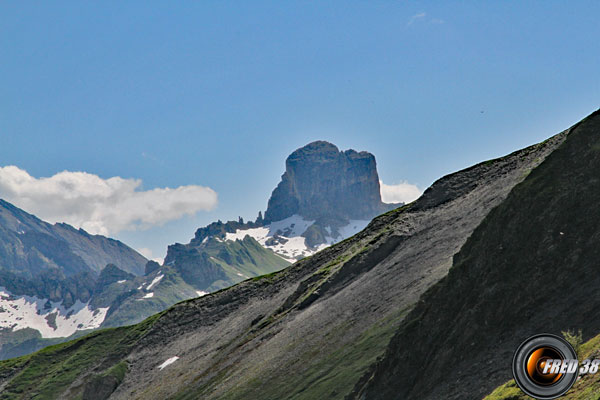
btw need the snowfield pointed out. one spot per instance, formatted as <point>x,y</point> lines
<point>284,237</point>
<point>51,319</point>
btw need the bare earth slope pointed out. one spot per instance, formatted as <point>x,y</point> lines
<point>309,331</point>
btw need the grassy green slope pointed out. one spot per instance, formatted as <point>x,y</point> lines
<point>57,369</point>
<point>330,376</point>
<point>241,259</point>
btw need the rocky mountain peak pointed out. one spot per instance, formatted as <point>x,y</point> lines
<point>322,181</point>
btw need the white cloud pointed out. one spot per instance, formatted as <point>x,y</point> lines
<point>422,17</point>
<point>103,206</point>
<point>416,17</point>
<point>401,193</point>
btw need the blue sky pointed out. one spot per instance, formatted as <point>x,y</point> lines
<point>217,94</point>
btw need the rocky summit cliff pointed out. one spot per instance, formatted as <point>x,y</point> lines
<point>325,196</point>
<point>321,181</point>
<point>411,307</point>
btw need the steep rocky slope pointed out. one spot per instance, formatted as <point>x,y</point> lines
<point>309,331</point>
<point>530,267</point>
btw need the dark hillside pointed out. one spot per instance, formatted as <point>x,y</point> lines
<point>531,266</point>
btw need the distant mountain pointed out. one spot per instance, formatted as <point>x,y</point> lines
<point>324,196</point>
<point>427,302</point>
<point>29,246</point>
<point>48,276</point>
<point>217,263</point>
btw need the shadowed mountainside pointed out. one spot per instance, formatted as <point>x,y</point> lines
<point>530,267</point>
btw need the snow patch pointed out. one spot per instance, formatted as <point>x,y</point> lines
<point>148,295</point>
<point>201,293</point>
<point>168,362</point>
<point>154,281</point>
<point>51,319</point>
<point>122,281</point>
<point>284,237</point>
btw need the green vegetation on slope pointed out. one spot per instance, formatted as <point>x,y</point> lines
<point>53,370</point>
<point>332,375</point>
<point>215,263</point>
<point>242,259</point>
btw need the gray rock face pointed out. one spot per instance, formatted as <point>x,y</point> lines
<point>320,180</point>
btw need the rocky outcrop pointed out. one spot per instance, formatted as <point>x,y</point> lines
<point>320,184</point>
<point>196,267</point>
<point>220,229</point>
<point>320,180</point>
